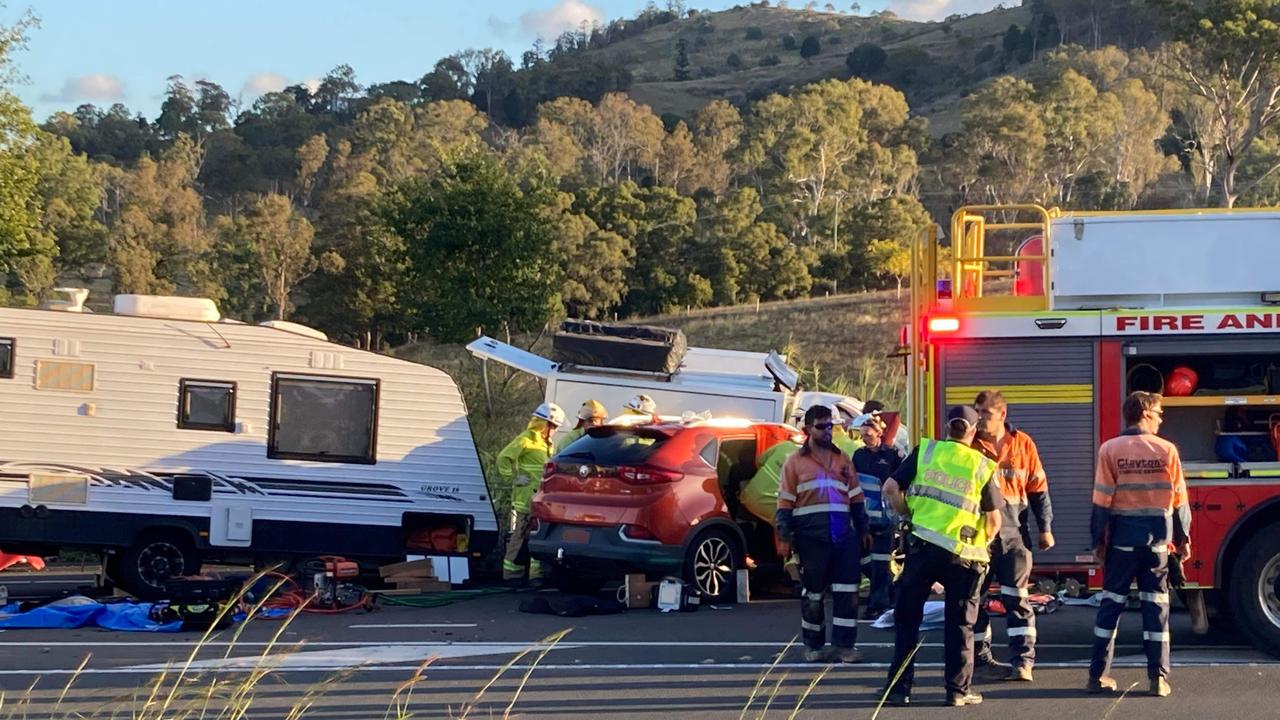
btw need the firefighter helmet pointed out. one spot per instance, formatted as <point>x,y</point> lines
<point>550,412</point>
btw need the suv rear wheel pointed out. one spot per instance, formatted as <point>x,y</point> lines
<point>711,564</point>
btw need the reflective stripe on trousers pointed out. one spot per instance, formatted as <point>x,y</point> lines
<point>1011,568</point>
<point>828,566</point>
<point>1151,571</point>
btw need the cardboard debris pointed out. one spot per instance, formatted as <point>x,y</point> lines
<point>639,591</point>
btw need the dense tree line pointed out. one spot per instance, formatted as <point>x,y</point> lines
<point>490,195</point>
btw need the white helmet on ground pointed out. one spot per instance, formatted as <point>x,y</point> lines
<point>550,412</point>
<point>642,404</point>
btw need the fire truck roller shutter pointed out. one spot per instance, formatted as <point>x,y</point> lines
<point>1049,384</point>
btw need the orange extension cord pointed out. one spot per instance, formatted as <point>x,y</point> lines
<point>289,596</point>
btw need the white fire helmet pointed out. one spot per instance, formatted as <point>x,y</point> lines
<point>550,412</point>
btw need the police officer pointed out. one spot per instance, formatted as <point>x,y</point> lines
<point>820,511</point>
<point>947,491</point>
<point>874,462</point>
<point>1139,508</point>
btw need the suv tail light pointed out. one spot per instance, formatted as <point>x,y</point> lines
<point>548,470</point>
<point>647,475</point>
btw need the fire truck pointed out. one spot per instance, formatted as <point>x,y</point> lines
<point>1068,312</point>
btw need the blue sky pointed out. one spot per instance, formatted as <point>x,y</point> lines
<point>105,51</point>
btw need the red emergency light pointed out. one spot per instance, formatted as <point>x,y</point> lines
<point>942,325</point>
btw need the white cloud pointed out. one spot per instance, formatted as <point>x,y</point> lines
<point>564,15</point>
<point>95,87</point>
<point>311,85</point>
<point>263,83</point>
<point>939,9</point>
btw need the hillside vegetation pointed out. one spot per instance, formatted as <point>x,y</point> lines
<point>746,53</point>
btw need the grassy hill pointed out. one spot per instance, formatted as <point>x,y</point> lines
<point>743,54</point>
<point>838,343</point>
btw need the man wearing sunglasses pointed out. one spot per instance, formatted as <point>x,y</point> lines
<point>1139,507</point>
<point>821,511</point>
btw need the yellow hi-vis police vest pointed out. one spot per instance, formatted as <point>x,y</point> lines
<point>945,498</point>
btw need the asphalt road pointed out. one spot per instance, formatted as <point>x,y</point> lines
<point>714,663</point>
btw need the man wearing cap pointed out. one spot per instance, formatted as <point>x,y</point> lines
<point>1024,486</point>
<point>947,492</point>
<point>820,511</point>
<point>874,462</point>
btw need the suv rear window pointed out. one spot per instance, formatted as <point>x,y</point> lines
<point>613,447</point>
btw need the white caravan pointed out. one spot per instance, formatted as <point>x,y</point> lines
<point>165,435</point>
<point>724,383</point>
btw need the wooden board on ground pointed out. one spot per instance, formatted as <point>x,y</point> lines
<point>411,569</point>
<point>422,585</point>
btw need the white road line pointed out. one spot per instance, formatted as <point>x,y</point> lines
<point>414,625</point>
<point>345,658</point>
<point>529,643</point>
<point>139,670</point>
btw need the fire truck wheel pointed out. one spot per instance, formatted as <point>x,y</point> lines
<point>155,558</point>
<point>1255,590</point>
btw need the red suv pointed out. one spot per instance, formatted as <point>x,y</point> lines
<point>653,498</point>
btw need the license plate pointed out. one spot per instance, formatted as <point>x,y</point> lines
<point>576,535</point>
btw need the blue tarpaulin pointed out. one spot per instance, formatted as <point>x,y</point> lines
<point>78,611</point>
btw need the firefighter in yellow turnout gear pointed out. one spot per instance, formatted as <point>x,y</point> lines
<point>520,464</point>
<point>591,414</point>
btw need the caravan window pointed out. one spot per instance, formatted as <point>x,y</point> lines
<point>6,357</point>
<point>330,419</point>
<point>207,405</point>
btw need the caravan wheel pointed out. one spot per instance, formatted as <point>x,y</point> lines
<point>153,560</point>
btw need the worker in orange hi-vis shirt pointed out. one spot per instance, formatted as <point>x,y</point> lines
<point>1026,492</point>
<point>1139,508</point>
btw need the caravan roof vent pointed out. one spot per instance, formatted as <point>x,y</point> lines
<point>295,328</point>
<point>170,308</point>
<point>74,302</point>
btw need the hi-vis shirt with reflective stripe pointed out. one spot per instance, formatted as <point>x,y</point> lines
<point>817,498</point>
<point>1139,475</point>
<point>873,466</point>
<point>945,498</point>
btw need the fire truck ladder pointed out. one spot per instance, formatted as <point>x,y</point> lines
<point>998,261</point>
